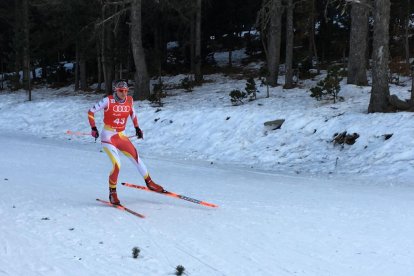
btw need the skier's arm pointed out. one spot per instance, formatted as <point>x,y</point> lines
<point>138,131</point>
<point>102,104</point>
<point>133,116</point>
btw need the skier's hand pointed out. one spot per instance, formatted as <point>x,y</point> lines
<point>95,133</point>
<point>139,133</point>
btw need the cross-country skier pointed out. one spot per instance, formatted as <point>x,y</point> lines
<point>117,108</point>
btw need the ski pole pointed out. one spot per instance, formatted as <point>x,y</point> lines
<point>79,133</point>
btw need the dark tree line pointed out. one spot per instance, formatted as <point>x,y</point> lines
<point>112,39</point>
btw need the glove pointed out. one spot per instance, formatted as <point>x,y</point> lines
<point>139,133</point>
<point>95,133</point>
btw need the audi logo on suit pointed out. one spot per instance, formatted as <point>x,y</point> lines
<point>121,108</point>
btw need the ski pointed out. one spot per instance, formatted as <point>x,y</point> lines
<point>121,207</point>
<point>171,194</point>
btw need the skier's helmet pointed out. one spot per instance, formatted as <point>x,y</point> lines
<point>121,86</point>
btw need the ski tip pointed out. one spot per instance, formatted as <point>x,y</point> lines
<point>210,205</point>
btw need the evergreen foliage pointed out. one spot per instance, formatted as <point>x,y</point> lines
<point>135,252</point>
<point>237,96</point>
<point>251,89</point>
<point>328,88</point>
<point>179,270</point>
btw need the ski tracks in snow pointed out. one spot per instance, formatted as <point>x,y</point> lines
<point>266,224</point>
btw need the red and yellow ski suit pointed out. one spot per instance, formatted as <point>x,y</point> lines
<point>113,139</point>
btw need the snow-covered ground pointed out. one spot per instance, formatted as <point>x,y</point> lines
<point>291,202</point>
<point>267,224</point>
<point>203,125</point>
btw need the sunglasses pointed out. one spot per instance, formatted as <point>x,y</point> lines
<point>122,90</point>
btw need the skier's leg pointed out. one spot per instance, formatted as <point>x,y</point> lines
<point>123,143</point>
<point>113,155</point>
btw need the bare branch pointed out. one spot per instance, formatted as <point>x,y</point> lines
<point>112,16</point>
<point>119,3</point>
<point>366,4</point>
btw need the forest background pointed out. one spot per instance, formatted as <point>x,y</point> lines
<point>140,40</point>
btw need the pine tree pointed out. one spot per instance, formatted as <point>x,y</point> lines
<point>251,89</point>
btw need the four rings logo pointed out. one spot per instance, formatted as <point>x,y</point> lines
<point>120,108</point>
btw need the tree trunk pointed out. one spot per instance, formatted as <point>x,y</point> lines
<point>2,74</point>
<point>26,47</point>
<point>198,77</point>
<point>107,52</point>
<point>289,46</point>
<point>82,71</point>
<point>17,43</point>
<point>358,44</point>
<point>158,44</point>
<point>313,51</point>
<point>407,34</point>
<point>273,42</point>
<point>141,88</point>
<point>107,59</point>
<point>192,45</point>
<point>412,87</point>
<point>380,55</point>
<point>77,66</point>
<point>99,64</point>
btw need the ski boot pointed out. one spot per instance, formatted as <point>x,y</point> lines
<point>153,186</point>
<point>113,197</point>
